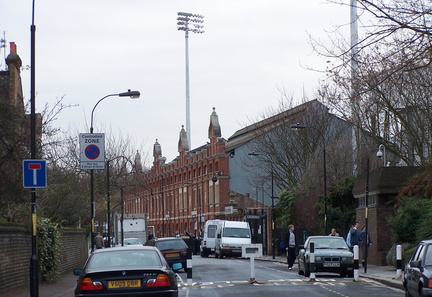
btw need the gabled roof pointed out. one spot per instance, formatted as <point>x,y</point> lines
<point>290,116</point>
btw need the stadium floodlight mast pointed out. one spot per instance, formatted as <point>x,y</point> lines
<point>189,22</point>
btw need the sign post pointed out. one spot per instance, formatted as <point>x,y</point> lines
<point>34,174</point>
<point>92,150</point>
<point>251,251</point>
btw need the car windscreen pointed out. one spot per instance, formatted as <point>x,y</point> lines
<point>236,232</point>
<point>124,259</point>
<point>166,245</point>
<point>328,243</point>
<point>132,241</point>
<point>212,231</point>
<point>428,256</point>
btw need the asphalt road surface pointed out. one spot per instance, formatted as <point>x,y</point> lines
<point>232,277</point>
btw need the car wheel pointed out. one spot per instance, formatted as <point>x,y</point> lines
<point>216,255</point>
<point>221,255</point>
<point>421,292</point>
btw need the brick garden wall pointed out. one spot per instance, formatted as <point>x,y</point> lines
<point>15,253</point>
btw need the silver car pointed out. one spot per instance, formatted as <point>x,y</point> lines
<point>331,254</point>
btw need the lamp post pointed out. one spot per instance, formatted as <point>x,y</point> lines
<point>184,19</point>
<point>34,261</point>
<point>272,208</point>
<point>109,196</point>
<point>133,95</point>
<point>298,126</point>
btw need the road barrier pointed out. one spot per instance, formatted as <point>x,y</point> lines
<point>356,262</point>
<point>398,261</point>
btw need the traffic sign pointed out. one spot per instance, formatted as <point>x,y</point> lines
<point>92,150</point>
<point>34,174</point>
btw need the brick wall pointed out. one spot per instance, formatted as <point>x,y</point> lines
<point>15,253</point>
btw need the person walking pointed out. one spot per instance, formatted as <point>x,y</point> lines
<point>290,246</point>
<point>354,236</point>
<point>98,241</point>
<point>364,241</point>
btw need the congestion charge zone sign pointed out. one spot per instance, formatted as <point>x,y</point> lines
<point>92,150</point>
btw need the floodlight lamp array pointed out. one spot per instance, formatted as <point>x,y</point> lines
<point>185,18</point>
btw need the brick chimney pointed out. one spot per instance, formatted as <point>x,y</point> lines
<point>13,48</point>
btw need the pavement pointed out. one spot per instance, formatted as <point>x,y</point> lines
<point>65,286</point>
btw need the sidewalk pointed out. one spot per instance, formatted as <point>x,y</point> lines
<point>66,284</point>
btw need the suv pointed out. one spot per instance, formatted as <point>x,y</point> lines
<point>174,249</point>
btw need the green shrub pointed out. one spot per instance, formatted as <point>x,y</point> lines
<point>49,249</point>
<point>412,220</point>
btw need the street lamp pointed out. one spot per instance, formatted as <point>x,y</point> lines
<point>184,19</point>
<point>381,153</point>
<point>133,95</point>
<point>272,208</point>
<point>298,126</point>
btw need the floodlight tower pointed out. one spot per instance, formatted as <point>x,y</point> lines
<point>184,20</point>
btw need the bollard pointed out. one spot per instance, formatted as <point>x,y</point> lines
<point>356,263</point>
<point>189,269</point>
<point>398,261</point>
<point>312,262</point>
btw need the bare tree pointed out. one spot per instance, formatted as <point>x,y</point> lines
<point>389,94</point>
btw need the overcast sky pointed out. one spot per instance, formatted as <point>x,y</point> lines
<point>88,49</point>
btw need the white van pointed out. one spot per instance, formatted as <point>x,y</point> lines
<point>230,237</point>
<point>207,246</point>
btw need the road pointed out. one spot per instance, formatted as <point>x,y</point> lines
<point>229,277</point>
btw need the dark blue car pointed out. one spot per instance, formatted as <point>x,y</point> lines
<point>417,277</point>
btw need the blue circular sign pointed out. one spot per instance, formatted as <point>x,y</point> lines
<point>92,152</point>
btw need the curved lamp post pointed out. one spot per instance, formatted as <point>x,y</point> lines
<point>133,95</point>
<point>298,126</point>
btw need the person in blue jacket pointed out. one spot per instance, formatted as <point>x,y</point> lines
<point>354,235</point>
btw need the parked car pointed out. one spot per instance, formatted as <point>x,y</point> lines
<point>331,254</point>
<point>132,241</point>
<point>126,271</point>
<point>174,249</point>
<point>417,276</point>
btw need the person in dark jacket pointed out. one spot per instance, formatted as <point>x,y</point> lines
<point>364,241</point>
<point>290,246</point>
<point>354,236</point>
<point>98,241</point>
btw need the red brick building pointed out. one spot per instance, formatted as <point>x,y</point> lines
<point>181,195</point>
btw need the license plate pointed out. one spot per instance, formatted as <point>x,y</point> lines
<point>331,264</point>
<point>172,255</point>
<point>131,283</point>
